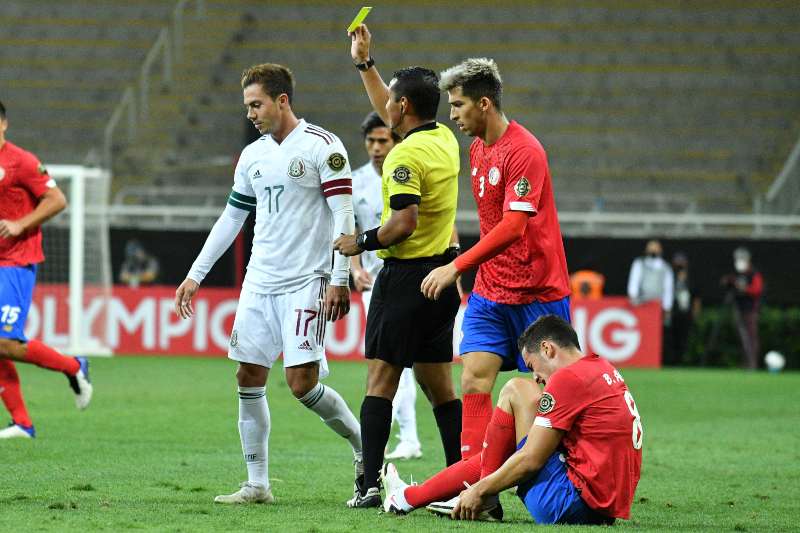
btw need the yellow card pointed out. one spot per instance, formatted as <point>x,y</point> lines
<point>362,14</point>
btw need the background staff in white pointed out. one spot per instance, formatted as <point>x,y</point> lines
<point>297,180</point>
<point>651,279</point>
<point>368,205</point>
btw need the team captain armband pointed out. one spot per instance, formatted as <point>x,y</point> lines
<point>242,201</point>
<point>335,187</point>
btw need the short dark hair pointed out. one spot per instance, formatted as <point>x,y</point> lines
<point>2,111</point>
<point>551,328</point>
<point>421,87</point>
<point>274,79</point>
<point>477,77</point>
<point>372,121</point>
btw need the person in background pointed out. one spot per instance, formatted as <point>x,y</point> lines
<point>684,310</point>
<point>28,198</point>
<point>746,284</point>
<point>139,267</point>
<point>651,279</point>
<point>586,284</point>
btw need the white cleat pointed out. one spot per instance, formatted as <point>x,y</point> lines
<point>395,501</point>
<point>249,493</point>
<point>15,431</point>
<point>492,512</point>
<point>405,450</point>
<point>81,385</point>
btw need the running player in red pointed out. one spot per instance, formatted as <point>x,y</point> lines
<point>522,271</point>
<point>28,197</point>
<point>573,450</point>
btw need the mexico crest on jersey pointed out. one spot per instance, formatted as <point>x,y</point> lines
<point>401,174</point>
<point>522,188</point>
<point>336,162</point>
<point>494,176</point>
<point>546,403</point>
<point>297,169</point>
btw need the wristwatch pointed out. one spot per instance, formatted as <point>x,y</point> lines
<point>361,240</point>
<point>363,67</point>
<point>453,251</point>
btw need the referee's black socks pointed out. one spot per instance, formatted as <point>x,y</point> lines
<point>448,418</point>
<point>376,425</point>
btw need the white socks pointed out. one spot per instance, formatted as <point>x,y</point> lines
<point>333,410</point>
<point>404,408</point>
<point>254,423</point>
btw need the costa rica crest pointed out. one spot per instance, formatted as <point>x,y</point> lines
<point>494,176</point>
<point>297,169</point>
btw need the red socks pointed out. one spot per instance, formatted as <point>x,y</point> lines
<point>477,411</point>
<point>11,393</point>
<point>500,442</point>
<point>44,356</point>
<point>446,484</point>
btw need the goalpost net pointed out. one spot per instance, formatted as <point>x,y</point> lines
<point>77,266</point>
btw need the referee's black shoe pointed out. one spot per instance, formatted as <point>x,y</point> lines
<point>364,499</point>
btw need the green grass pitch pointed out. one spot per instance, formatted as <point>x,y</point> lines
<point>721,453</point>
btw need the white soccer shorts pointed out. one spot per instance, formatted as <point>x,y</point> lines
<point>267,325</point>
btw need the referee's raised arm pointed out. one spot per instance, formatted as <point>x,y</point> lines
<point>377,90</point>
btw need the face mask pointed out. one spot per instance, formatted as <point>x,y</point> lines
<point>740,265</point>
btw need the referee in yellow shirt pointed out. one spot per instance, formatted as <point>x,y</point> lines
<point>404,329</point>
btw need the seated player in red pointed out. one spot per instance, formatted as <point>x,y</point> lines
<point>573,450</point>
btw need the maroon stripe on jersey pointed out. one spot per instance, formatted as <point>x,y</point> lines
<point>346,182</point>
<point>337,191</point>
<point>320,315</point>
<point>321,132</point>
<point>319,135</point>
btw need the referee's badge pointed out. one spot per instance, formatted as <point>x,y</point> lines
<point>401,174</point>
<point>546,403</point>
<point>494,176</point>
<point>296,168</point>
<point>336,162</point>
<point>522,188</point>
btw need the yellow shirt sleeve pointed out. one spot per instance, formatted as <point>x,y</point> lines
<point>403,171</point>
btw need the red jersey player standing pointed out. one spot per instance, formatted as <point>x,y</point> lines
<point>522,271</point>
<point>578,442</point>
<point>28,197</point>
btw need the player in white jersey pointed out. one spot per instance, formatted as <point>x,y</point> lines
<point>368,205</point>
<point>296,179</point>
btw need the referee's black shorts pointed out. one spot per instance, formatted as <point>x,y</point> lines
<point>404,327</point>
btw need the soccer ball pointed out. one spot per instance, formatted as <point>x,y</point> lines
<point>775,361</point>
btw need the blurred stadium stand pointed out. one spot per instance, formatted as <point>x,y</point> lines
<point>645,107</point>
<point>65,65</point>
